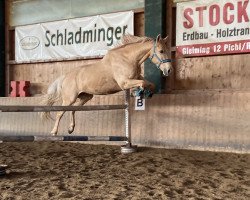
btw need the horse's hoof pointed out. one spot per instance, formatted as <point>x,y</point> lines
<point>150,96</point>
<point>138,92</point>
<point>53,133</point>
<point>70,130</point>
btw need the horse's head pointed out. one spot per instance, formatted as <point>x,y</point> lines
<point>160,55</point>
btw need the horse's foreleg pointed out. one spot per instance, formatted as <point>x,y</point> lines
<point>150,86</point>
<point>82,100</point>
<point>133,83</point>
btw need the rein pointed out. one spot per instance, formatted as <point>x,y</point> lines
<point>159,59</point>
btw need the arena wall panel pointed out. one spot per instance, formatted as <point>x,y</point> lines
<point>217,121</point>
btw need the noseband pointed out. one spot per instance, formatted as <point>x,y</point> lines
<point>159,59</point>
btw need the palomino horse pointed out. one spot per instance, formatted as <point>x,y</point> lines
<point>118,70</point>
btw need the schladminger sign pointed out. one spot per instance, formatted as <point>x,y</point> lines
<point>67,39</point>
<point>211,27</point>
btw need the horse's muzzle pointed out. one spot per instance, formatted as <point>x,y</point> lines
<point>166,72</point>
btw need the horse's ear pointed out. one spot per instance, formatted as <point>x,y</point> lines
<point>165,39</point>
<point>158,38</point>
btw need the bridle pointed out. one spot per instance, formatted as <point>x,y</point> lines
<point>159,59</point>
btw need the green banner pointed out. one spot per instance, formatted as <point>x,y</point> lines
<point>155,23</point>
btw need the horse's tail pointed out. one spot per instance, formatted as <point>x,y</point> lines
<point>53,95</point>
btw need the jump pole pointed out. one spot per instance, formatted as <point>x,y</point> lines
<point>36,138</point>
<point>59,108</point>
<point>127,148</point>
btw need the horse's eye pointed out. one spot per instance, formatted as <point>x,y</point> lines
<point>161,51</point>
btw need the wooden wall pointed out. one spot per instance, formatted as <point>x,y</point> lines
<point>228,72</point>
<point>198,120</point>
<point>42,74</point>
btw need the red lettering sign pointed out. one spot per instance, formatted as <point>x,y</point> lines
<point>214,14</point>
<point>213,27</point>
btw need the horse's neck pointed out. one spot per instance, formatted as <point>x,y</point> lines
<point>141,51</point>
<point>136,52</point>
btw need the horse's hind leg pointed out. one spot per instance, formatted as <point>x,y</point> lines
<point>82,99</point>
<point>59,115</point>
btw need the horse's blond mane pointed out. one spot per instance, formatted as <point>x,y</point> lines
<point>131,39</point>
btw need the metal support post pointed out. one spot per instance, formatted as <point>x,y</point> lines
<point>127,118</point>
<point>128,147</point>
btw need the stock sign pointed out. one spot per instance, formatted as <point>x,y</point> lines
<point>213,27</point>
